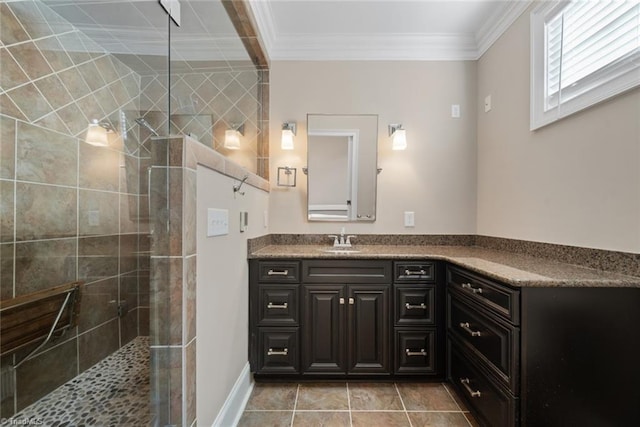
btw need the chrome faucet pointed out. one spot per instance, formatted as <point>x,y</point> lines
<point>341,241</point>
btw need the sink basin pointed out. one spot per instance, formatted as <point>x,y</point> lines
<point>341,251</point>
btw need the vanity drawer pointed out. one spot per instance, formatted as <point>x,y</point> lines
<point>278,350</point>
<point>278,305</point>
<point>490,339</point>
<point>490,403</point>
<point>346,271</point>
<point>415,306</point>
<point>415,351</point>
<point>491,295</point>
<point>414,272</point>
<point>279,271</point>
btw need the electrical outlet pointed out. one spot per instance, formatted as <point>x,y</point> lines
<point>455,111</point>
<point>487,103</point>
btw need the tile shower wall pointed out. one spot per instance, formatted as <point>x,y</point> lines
<point>68,210</point>
<point>205,104</point>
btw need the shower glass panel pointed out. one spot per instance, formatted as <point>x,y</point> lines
<point>84,87</point>
<point>214,83</point>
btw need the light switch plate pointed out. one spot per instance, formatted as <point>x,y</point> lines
<point>455,111</point>
<point>409,219</point>
<point>217,222</point>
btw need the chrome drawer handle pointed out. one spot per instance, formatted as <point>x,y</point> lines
<point>278,306</point>
<point>283,352</point>
<point>416,353</point>
<point>471,288</point>
<point>465,384</point>
<point>466,327</point>
<point>422,306</point>
<point>414,273</point>
<point>278,273</point>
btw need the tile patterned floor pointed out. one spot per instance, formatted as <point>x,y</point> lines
<point>114,392</point>
<point>355,404</point>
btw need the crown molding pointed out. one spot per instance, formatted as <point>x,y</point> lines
<point>501,20</point>
<point>433,47</point>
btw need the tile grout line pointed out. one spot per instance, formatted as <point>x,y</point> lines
<point>295,404</point>
<point>456,402</point>
<point>406,413</point>
<point>349,404</point>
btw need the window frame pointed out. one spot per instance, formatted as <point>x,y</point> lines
<point>611,82</point>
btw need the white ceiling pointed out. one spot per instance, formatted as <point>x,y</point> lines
<point>382,29</point>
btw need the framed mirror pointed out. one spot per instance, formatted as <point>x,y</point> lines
<point>342,167</point>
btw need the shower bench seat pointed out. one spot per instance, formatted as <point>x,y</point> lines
<point>37,317</point>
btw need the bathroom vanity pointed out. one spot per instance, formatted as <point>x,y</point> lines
<point>347,318</point>
<point>524,341</point>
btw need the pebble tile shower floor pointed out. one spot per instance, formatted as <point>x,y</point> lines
<point>355,404</point>
<point>114,392</point>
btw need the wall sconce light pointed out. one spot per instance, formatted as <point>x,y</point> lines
<point>288,132</point>
<point>97,133</point>
<point>398,137</point>
<point>232,136</point>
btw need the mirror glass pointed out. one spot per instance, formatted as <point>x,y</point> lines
<point>342,159</point>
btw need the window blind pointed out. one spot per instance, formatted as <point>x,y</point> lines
<point>588,43</point>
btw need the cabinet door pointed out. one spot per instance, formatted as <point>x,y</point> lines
<point>369,320</point>
<point>323,329</point>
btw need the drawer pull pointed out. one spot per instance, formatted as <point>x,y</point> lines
<point>278,273</point>
<point>422,306</point>
<point>283,352</point>
<point>415,353</point>
<point>278,306</point>
<point>471,288</point>
<point>415,273</point>
<point>465,384</point>
<point>466,327</point>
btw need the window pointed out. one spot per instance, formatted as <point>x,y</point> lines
<point>582,52</point>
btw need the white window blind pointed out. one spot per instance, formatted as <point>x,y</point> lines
<point>584,49</point>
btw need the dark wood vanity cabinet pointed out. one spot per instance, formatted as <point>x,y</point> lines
<point>346,329</point>
<point>543,356</point>
<point>419,337</point>
<point>346,318</point>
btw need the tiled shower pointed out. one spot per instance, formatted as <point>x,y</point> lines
<point>74,211</point>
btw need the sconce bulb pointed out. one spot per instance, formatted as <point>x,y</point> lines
<point>232,139</point>
<point>399,141</point>
<point>96,135</point>
<point>287,139</point>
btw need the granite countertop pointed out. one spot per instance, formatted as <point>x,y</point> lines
<point>513,269</point>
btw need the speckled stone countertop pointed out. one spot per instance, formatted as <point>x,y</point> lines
<point>513,269</point>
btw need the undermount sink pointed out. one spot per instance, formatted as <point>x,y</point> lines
<point>341,251</point>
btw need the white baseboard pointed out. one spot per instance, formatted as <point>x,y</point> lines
<point>233,407</point>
